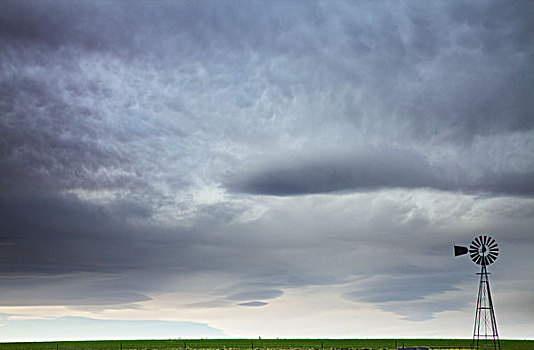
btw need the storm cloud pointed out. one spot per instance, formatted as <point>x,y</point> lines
<point>371,170</point>
<point>197,161</point>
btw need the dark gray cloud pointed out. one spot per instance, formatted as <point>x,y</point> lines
<point>257,294</point>
<point>76,290</point>
<point>424,310</point>
<point>132,135</point>
<point>117,254</point>
<point>253,304</point>
<point>407,284</point>
<point>407,290</point>
<point>372,170</point>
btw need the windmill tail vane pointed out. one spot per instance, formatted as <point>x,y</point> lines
<point>484,251</point>
<point>458,250</point>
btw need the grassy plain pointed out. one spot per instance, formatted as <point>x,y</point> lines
<point>259,344</point>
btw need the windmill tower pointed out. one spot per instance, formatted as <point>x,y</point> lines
<point>483,251</point>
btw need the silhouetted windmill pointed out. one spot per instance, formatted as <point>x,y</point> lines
<point>483,251</point>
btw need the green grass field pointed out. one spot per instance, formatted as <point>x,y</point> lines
<point>267,344</point>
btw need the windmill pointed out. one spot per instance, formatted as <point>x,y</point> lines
<point>483,251</point>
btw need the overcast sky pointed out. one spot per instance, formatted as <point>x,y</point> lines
<point>263,168</point>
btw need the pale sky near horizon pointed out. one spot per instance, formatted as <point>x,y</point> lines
<point>263,168</point>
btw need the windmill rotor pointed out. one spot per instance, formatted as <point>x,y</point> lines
<point>483,250</point>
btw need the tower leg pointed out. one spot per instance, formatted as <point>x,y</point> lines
<point>485,334</point>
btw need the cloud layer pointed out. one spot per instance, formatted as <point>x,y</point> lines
<point>371,170</point>
<point>213,159</point>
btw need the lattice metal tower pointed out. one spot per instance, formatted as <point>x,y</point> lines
<point>483,251</point>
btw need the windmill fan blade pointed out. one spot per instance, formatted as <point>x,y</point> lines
<point>459,250</point>
<point>483,250</point>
